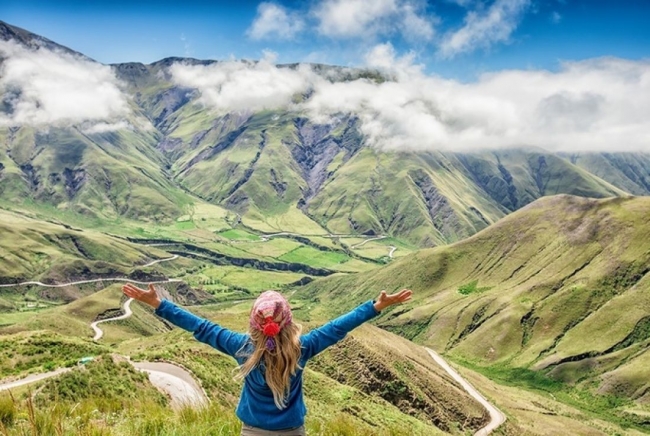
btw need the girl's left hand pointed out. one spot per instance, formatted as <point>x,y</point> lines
<point>149,297</point>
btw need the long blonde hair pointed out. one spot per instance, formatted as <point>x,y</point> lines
<point>280,363</point>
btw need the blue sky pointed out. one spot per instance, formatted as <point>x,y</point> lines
<point>452,38</point>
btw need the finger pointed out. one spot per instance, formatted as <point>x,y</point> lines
<point>152,288</point>
<point>132,291</point>
<point>405,293</point>
<point>382,296</point>
<point>135,288</point>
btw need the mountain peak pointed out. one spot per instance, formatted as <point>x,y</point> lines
<point>32,40</point>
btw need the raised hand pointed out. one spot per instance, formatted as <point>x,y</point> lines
<point>384,300</point>
<point>149,296</point>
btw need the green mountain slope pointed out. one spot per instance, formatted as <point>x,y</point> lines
<point>35,250</point>
<point>280,170</point>
<point>378,391</point>
<point>628,171</point>
<point>561,287</point>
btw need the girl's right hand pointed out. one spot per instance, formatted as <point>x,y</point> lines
<point>149,297</point>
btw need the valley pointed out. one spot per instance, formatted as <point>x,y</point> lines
<point>530,267</point>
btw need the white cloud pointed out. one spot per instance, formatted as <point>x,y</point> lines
<point>368,19</point>
<point>274,20</point>
<point>599,104</point>
<point>42,87</point>
<point>383,57</point>
<point>243,86</point>
<point>351,18</point>
<point>413,26</point>
<point>483,28</point>
<point>103,127</point>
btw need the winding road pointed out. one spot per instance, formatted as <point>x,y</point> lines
<point>32,379</point>
<point>160,260</point>
<point>183,390</point>
<point>173,380</point>
<point>496,416</point>
<point>367,240</point>
<point>108,279</point>
<point>267,238</point>
<point>81,282</point>
<point>127,313</point>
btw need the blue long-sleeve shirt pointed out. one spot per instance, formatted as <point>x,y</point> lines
<point>256,406</point>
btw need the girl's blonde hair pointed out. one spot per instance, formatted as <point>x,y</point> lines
<point>279,362</point>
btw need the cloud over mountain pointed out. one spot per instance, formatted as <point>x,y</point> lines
<point>598,104</point>
<point>44,87</point>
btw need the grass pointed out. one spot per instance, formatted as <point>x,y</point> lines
<point>606,406</point>
<point>238,235</point>
<point>559,291</point>
<point>313,257</point>
<point>42,351</point>
<point>471,288</point>
<point>230,277</point>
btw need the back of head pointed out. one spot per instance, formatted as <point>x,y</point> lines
<point>276,341</point>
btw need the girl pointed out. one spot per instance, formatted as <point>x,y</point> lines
<point>271,356</point>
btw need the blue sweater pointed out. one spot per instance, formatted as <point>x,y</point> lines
<point>256,407</point>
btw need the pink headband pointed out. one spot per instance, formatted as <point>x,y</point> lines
<point>271,312</point>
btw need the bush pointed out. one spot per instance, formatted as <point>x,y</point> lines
<point>7,410</point>
<point>471,288</point>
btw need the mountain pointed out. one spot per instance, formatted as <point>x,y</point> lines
<point>628,171</point>
<point>560,287</point>
<point>31,40</point>
<point>278,169</point>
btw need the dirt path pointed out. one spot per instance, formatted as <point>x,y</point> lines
<point>175,382</point>
<point>174,257</point>
<point>127,313</point>
<point>32,379</point>
<point>81,282</point>
<point>367,240</point>
<point>496,416</point>
<point>110,279</point>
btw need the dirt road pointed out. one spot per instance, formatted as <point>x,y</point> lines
<point>496,416</point>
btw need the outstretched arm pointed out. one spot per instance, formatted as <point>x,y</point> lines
<point>319,339</point>
<point>221,338</point>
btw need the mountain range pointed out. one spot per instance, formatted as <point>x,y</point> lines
<point>280,170</point>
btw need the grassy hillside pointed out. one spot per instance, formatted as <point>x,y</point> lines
<point>33,249</point>
<point>559,288</point>
<point>628,171</point>
<point>398,396</point>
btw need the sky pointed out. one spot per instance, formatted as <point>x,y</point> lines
<point>458,39</point>
<point>564,75</point>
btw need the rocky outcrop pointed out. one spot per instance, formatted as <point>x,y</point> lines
<point>442,215</point>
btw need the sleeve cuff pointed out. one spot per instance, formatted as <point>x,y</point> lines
<point>164,306</point>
